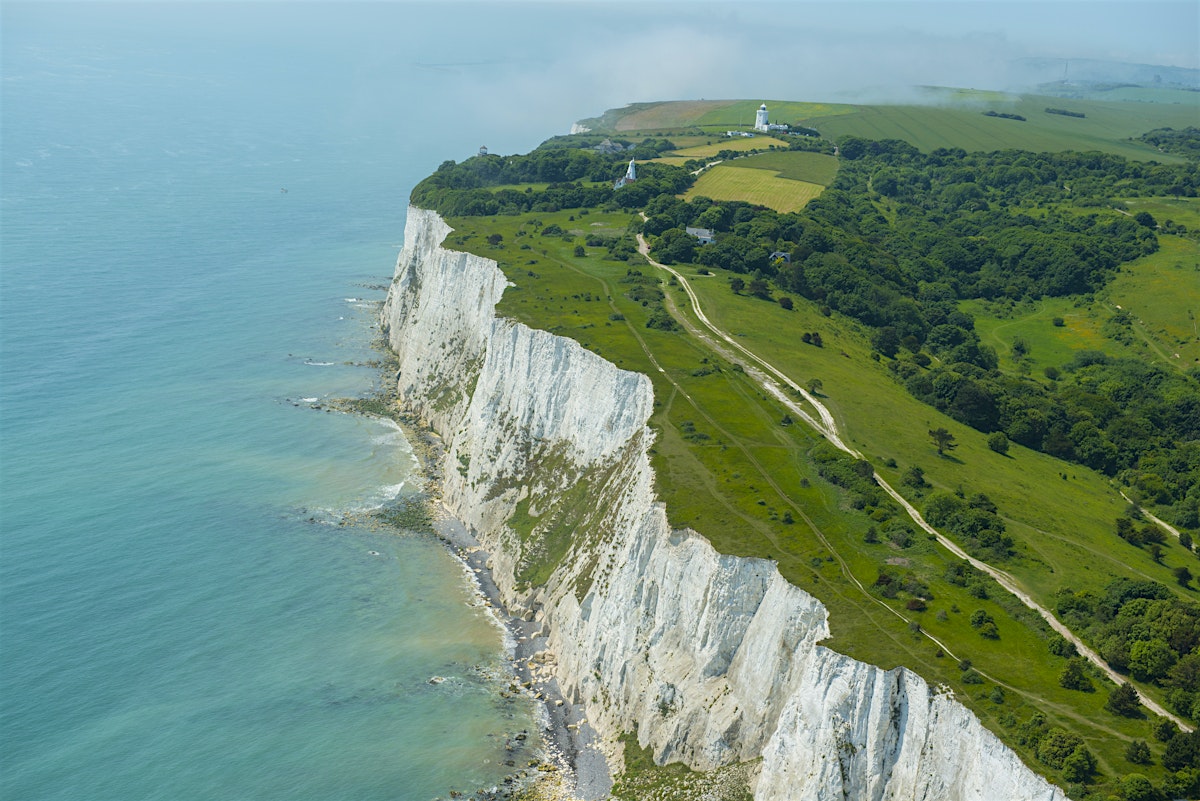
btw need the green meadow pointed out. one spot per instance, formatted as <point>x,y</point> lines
<point>731,465</point>
<point>797,165</point>
<point>758,187</point>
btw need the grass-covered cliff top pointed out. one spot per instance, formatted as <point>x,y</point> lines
<point>1038,308</point>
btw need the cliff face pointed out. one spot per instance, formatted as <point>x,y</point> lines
<point>711,659</point>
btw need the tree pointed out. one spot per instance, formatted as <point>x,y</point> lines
<point>943,439</point>
<point>1080,765</point>
<point>1056,745</point>
<point>1146,219</point>
<point>1136,787</point>
<point>914,477</point>
<point>815,386</point>
<point>674,245</point>
<point>1138,752</point>
<point>579,251</point>
<point>737,285</point>
<point>1181,751</point>
<point>1123,700</point>
<point>886,340</point>
<point>1074,677</point>
<point>1183,576</point>
<point>1150,660</point>
<point>1165,729</point>
<point>495,239</point>
<point>998,441</point>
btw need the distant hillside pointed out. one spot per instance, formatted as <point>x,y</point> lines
<point>950,118</point>
<point>1091,72</point>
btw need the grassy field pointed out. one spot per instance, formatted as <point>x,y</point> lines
<point>760,187</point>
<point>726,466</point>
<point>1183,210</point>
<point>1161,291</point>
<point>1106,127</point>
<point>954,120</point>
<point>797,165</point>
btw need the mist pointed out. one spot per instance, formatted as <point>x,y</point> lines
<point>511,74</point>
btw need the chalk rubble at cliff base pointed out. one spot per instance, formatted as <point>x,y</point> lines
<point>711,659</point>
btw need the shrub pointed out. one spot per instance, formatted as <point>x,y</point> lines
<point>1138,752</point>
<point>1074,677</point>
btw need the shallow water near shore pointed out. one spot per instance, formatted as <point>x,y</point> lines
<point>186,612</point>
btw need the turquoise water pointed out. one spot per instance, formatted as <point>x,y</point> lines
<point>181,616</point>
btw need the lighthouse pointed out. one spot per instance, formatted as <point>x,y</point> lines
<point>629,177</point>
<point>760,119</point>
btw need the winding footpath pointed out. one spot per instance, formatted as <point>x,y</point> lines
<point>769,378</point>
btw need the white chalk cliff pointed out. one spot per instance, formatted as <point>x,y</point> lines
<point>711,659</point>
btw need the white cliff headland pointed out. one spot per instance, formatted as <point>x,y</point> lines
<point>710,659</point>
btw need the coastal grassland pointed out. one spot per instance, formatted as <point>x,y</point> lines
<point>729,465</point>
<point>1160,293</point>
<point>1107,127</point>
<point>1079,512</point>
<point>758,187</point>
<point>949,119</point>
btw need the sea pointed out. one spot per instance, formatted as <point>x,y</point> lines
<point>200,208</point>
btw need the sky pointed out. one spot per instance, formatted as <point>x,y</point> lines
<point>515,67</point>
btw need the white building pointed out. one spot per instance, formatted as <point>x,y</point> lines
<point>629,177</point>
<point>760,119</point>
<point>761,123</point>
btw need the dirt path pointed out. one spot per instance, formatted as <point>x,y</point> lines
<point>823,422</point>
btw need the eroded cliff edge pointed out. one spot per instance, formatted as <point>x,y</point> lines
<point>711,659</point>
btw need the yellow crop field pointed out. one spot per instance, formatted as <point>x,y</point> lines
<point>740,144</point>
<point>761,187</point>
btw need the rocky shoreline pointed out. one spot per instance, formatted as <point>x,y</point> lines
<point>570,768</point>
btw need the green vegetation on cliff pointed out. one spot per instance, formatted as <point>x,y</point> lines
<point>923,291</point>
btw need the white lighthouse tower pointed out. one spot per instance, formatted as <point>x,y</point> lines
<point>760,119</point>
